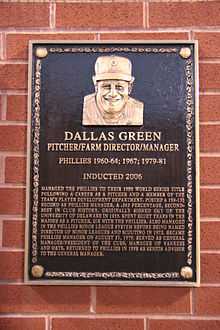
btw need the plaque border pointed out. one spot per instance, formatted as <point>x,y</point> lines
<point>35,190</point>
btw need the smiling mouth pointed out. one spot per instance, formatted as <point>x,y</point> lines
<point>112,99</point>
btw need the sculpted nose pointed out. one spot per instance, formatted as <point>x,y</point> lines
<point>113,91</point>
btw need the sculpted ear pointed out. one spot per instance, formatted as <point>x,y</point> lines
<point>95,83</point>
<point>130,86</point>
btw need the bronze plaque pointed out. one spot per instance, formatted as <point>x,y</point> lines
<point>113,163</point>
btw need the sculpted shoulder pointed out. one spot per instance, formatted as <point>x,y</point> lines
<point>135,112</point>
<point>136,104</point>
<point>88,99</point>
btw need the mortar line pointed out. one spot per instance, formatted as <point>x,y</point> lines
<point>210,251</point>
<point>208,219</point>
<point>184,316</point>
<point>192,307</point>
<point>4,43</point>
<point>145,14</point>
<point>209,93</point>
<point>173,29</point>
<point>53,15</point>
<point>146,324</point>
<point>13,123</point>
<point>2,169</point>
<point>1,48</point>
<point>1,233</point>
<point>13,154</point>
<point>13,62</point>
<point>93,299</point>
<point>12,219</point>
<point>213,122</point>
<point>13,92</point>
<point>4,106</point>
<point>209,154</point>
<point>8,249</point>
<point>214,186</point>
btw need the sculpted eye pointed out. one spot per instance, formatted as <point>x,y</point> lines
<point>120,88</point>
<point>106,87</point>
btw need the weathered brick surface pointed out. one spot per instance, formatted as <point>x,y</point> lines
<point>15,169</point>
<point>22,298</point>
<point>209,76</point>
<point>17,43</point>
<point>207,301</point>
<point>22,323</point>
<point>210,206</point>
<point>12,201</point>
<point>143,300</point>
<point>210,138</point>
<point>13,76</point>
<point>99,15</point>
<point>12,265</point>
<point>12,138</point>
<point>209,106</point>
<point>210,235</point>
<point>184,324</point>
<point>17,107</point>
<point>210,268</point>
<point>176,14</point>
<point>13,233</point>
<point>210,170</point>
<point>97,324</point>
<point>0,107</point>
<point>209,45</point>
<point>24,15</point>
<point>21,21</point>
<point>145,36</point>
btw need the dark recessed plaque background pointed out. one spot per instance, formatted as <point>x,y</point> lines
<point>165,80</point>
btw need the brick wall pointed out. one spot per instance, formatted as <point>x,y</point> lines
<point>24,307</point>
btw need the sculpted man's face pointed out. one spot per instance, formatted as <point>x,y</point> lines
<point>112,95</point>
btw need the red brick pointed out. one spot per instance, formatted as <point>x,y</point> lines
<point>209,107</point>
<point>184,14</point>
<point>210,138</point>
<point>210,170</point>
<point>0,107</point>
<point>209,45</point>
<point>97,324</point>
<point>13,234</point>
<point>143,300</point>
<point>12,265</point>
<point>145,36</point>
<point>13,76</point>
<point>209,76</point>
<point>17,44</point>
<point>17,107</point>
<point>100,15</point>
<point>210,268</point>
<point>22,323</point>
<point>24,15</point>
<point>184,324</point>
<point>22,298</point>
<point>210,206</point>
<point>15,169</point>
<point>210,235</point>
<point>207,301</point>
<point>12,138</point>
<point>12,201</point>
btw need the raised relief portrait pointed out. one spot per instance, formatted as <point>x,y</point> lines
<point>111,103</point>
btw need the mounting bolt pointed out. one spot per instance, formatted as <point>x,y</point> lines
<point>186,272</point>
<point>37,271</point>
<point>41,52</point>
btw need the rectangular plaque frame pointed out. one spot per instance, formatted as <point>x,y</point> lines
<point>43,97</point>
